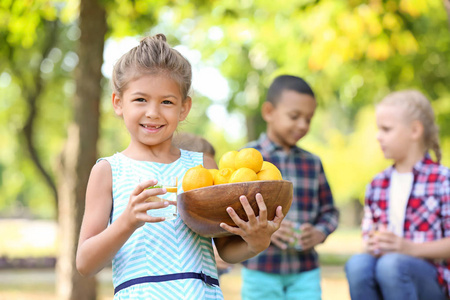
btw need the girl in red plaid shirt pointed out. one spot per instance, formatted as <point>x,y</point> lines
<point>406,225</point>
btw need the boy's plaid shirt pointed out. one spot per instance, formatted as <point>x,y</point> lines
<point>312,202</point>
<point>427,215</point>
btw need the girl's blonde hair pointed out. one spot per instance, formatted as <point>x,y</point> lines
<point>152,56</point>
<point>417,107</point>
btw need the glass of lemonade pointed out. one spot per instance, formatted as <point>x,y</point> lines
<point>170,183</point>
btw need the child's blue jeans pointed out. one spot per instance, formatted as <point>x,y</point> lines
<point>257,285</point>
<point>392,276</point>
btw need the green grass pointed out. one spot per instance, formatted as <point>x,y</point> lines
<point>333,259</point>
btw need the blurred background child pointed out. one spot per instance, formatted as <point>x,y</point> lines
<point>406,221</point>
<point>289,268</point>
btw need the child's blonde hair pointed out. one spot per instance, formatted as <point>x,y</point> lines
<point>417,107</point>
<point>152,56</point>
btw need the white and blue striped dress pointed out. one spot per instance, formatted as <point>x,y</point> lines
<point>163,260</point>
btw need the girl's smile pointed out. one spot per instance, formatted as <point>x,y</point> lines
<point>152,128</point>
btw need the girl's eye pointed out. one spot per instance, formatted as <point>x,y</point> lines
<point>140,100</point>
<point>167,102</point>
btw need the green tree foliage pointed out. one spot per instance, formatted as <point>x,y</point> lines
<point>35,83</point>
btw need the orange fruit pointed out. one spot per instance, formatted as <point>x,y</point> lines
<point>227,160</point>
<point>196,177</point>
<point>223,176</point>
<point>249,158</point>
<point>269,172</point>
<point>243,175</point>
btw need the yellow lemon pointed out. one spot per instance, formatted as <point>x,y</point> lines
<point>213,172</point>
<point>249,158</point>
<point>223,176</point>
<point>269,172</point>
<point>243,175</point>
<point>268,165</point>
<point>196,177</point>
<point>227,160</point>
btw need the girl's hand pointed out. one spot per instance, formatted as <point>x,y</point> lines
<point>142,200</point>
<point>372,246</point>
<point>390,242</point>
<point>310,236</point>
<point>284,235</point>
<point>258,230</point>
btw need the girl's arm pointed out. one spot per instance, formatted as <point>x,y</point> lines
<point>98,242</point>
<point>438,249</point>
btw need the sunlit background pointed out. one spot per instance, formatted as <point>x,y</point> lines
<point>351,52</point>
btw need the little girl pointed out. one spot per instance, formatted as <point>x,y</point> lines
<point>154,258</point>
<point>406,225</point>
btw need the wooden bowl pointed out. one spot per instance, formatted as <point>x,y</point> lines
<point>204,209</point>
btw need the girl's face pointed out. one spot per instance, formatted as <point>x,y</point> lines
<point>290,119</point>
<point>152,106</point>
<point>395,134</point>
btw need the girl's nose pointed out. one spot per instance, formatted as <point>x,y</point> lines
<point>152,112</point>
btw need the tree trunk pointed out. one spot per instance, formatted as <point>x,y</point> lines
<point>255,125</point>
<point>80,152</point>
<point>32,94</point>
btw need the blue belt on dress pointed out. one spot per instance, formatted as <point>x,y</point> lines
<point>160,278</point>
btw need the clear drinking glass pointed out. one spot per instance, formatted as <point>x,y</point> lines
<point>296,232</point>
<point>170,183</point>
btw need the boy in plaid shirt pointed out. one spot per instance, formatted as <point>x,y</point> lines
<point>406,225</point>
<point>289,268</point>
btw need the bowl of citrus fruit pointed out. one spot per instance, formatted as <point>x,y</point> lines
<point>209,192</point>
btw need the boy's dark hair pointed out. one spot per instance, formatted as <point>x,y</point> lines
<point>287,82</point>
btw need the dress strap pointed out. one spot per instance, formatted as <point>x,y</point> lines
<point>169,277</point>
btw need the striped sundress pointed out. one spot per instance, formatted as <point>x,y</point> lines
<point>163,260</point>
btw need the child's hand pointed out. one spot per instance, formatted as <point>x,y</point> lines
<point>390,242</point>
<point>310,236</point>
<point>372,246</point>
<point>258,230</point>
<point>284,235</point>
<point>142,200</point>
